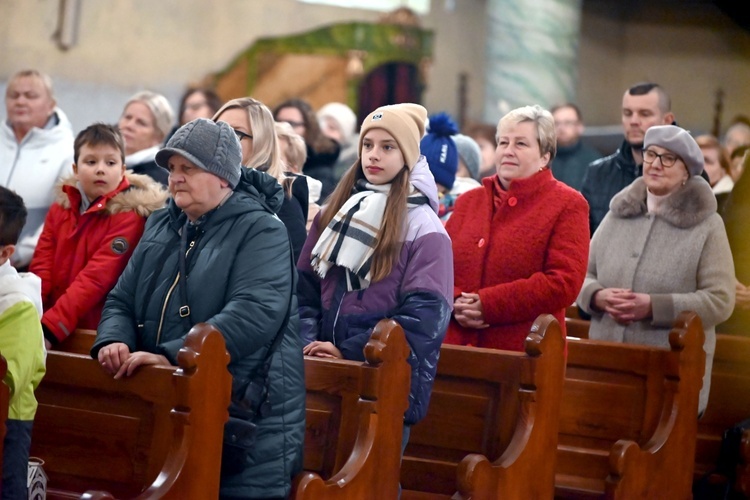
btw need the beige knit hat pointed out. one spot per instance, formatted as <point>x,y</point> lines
<point>405,122</point>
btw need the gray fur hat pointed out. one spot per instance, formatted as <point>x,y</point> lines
<point>212,146</point>
<point>469,152</point>
<point>680,142</point>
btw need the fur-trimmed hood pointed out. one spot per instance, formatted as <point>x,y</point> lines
<point>143,196</point>
<point>687,207</point>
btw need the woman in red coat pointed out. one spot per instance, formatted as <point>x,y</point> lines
<point>520,241</point>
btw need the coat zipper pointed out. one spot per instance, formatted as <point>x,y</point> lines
<point>169,294</point>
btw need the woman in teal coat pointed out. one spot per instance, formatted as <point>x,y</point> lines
<point>240,279</point>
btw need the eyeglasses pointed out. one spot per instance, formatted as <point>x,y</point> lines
<point>241,135</point>
<point>667,159</point>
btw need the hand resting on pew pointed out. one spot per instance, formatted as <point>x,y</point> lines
<point>116,359</point>
<point>322,350</point>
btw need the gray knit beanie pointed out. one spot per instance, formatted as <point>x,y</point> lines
<point>470,154</point>
<point>212,146</point>
<point>680,142</point>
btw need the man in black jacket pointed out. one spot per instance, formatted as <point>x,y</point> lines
<point>643,106</point>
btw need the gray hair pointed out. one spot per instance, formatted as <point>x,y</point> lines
<point>542,120</point>
<point>43,77</point>
<point>160,110</point>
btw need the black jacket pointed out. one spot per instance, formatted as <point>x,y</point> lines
<point>605,178</point>
<point>150,168</point>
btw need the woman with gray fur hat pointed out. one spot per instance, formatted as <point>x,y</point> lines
<point>662,249</point>
<point>241,281</point>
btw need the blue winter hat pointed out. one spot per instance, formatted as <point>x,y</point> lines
<point>440,150</point>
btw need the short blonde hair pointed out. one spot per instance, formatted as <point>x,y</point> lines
<point>295,150</point>
<point>160,109</point>
<point>542,120</point>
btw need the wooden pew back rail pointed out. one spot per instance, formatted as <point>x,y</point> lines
<point>155,434</point>
<point>628,416</point>
<point>355,413</point>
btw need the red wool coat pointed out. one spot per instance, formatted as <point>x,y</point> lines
<point>79,257</point>
<point>524,251</point>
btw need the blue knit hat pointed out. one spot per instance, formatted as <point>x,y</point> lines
<point>440,150</point>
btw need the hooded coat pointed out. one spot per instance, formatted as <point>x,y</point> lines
<point>241,280</point>
<point>80,255</point>
<point>679,255</point>
<point>416,294</point>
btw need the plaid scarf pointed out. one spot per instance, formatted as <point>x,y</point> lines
<point>350,239</point>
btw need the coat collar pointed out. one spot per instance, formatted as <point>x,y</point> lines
<point>521,187</point>
<point>687,207</point>
<point>137,193</point>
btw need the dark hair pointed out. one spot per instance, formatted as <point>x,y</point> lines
<point>665,103</point>
<point>99,134</point>
<point>12,216</point>
<point>213,101</point>
<point>314,137</point>
<point>570,105</point>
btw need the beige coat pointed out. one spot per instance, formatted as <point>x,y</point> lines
<point>679,256</point>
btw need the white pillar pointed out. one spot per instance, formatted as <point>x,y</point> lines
<point>531,54</point>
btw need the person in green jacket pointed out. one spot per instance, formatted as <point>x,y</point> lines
<point>21,344</point>
<point>240,278</point>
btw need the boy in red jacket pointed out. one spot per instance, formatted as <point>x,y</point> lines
<point>90,232</point>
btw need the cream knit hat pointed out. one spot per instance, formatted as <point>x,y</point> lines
<point>405,122</point>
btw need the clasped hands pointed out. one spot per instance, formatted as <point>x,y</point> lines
<point>624,305</point>
<point>116,359</point>
<point>468,311</point>
<point>742,297</point>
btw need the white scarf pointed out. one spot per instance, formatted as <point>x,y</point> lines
<point>350,239</point>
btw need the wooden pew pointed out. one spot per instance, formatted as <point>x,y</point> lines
<point>491,428</point>
<point>628,418</point>
<point>78,342</point>
<point>355,419</point>
<point>728,405</point>
<point>157,434</point>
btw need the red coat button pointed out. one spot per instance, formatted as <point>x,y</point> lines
<point>481,243</point>
<point>512,201</point>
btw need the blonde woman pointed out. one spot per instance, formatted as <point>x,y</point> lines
<point>253,123</point>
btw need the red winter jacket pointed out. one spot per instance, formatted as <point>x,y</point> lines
<point>79,257</point>
<point>524,251</point>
